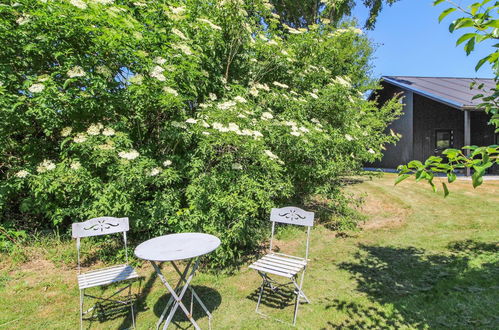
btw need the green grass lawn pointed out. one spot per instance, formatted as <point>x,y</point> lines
<point>421,261</point>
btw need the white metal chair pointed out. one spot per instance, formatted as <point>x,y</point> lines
<point>104,276</point>
<point>284,265</point>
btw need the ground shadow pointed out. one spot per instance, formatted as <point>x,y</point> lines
<point>209,296</point>
<point>279,298</point>
<point>456,289</point>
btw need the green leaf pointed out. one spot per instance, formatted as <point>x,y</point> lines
<point>470,46</point>
<point>451,177</point>
<point>446,190</point>
<point>401,178</point>
<point>437,2</point>
<point>445,13</point>
<point>465,37</point>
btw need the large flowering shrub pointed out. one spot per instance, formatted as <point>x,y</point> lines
<point>184,116</point>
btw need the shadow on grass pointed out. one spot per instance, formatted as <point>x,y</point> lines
<point>210,297</point>
<point>456,289</point>
<point>279,298</point>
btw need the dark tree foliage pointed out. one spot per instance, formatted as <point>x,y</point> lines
<point>300,14</point>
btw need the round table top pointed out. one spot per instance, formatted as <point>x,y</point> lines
<point>177,247</point>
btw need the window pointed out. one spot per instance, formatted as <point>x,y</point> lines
<point>444,138</point>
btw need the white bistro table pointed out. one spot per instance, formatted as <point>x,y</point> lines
<point>172,248</point>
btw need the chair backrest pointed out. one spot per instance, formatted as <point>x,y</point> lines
<point>97,227</point>
<point>294,216</point>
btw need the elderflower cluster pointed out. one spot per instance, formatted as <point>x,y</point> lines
<point>184,48</point>
<point>22,174</point>
<point>210,23</point>
<point>155,171</point>
<point>66,131</point>
<point>76,71</point>
<point>95,129</point>
<point>108,131</point>
<point>46,165</point>
<point>157,72</point>
<point>75,166</point>
<point>170,90</point>
<point>36,88</point>
<point>78,3</point>
<point>278,84</point>
<point>179,34</point>
<point>80,138</point>
<point>130,155</point>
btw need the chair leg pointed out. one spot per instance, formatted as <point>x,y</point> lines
<point>261,293</point>
<point>131,304</point>
<point>81,309</point>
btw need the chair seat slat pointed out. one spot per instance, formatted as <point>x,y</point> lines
<point>109,276</point>
<point>271,271</point>
<point>280,265</point>
<point>286,260</point>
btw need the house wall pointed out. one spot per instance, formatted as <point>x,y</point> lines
<point>430,116</point>
<point>402,152</point>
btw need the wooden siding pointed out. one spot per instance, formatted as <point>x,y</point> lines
<point>429,116</point>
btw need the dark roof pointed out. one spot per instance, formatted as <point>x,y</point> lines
<point>455,92</point>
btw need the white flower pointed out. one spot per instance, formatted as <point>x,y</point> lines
<point>191,121</point>
<point>304,129</point>
<point>233,127</point>
<point>170,90</point>
<point>107,146</point>
<point>66,131</point>
<point>265,87</point>
<point>240,99</point>
<point>108,131</point>
<point>213,26</point>
<point>348,137</point>
<point>184,48</point>
<point>217,126</point>
<point>167,163</point>
<point>94,129</point>
<point>75,166</point>
<point>137,79</point>
<point>237,166</point>
<point>206,133</point>
<point>179,34</point>
<point>290,123</point>
<point>212,96</point>
<point>295,133</point>
<point>278,84</point>
<point>104,70</point>
<point>155,171</point>
<point>203,105</point>
<point>157,72</point>
<point>371,151</point>
<point>45,166</point>
<point>78,3</point>
<point>226,105</point>
<point>270,154</point>
<point>80,138</point>
<point>130,155</point>
<point>104,2</point>
<point>159,60</point>
<point>241,116</point>
<point>177,10</point>
<point>267,115</point>
<point>257,134</point>
<point>355,30</point>
<point>344,81</point>
<point>23,19</point>
<point>205,124</point>
<point>253,91</point>
<point>139,4</point>
<point>76,71</point>
<point>314,95</point>
<point>22,174</point>
<point>36,88</point>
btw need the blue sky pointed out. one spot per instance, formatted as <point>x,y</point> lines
<point>411,42</point>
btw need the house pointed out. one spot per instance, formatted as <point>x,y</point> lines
<point>439,113</point>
